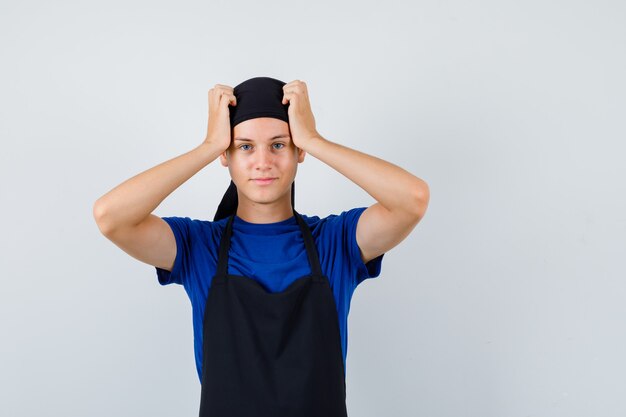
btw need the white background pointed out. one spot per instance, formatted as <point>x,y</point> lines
<point>507,300</point>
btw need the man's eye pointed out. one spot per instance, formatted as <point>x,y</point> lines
<point>282,145</point>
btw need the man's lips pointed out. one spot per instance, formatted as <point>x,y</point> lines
<point>268,180</point>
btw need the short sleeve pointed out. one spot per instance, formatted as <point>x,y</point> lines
<point>367,270</point>
<point>181,227</point>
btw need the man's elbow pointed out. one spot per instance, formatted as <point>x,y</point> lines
<point>421,198</point>
<point>99,215</point>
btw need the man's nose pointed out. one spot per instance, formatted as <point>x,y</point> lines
<point>264,156</point>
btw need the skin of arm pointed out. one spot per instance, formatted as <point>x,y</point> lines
<point>402,198</point>
<point>132,201</point>
<point>393,187</point>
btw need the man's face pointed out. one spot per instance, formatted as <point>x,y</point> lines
<point>262,148</point>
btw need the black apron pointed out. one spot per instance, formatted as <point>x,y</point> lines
<point>271,354</point>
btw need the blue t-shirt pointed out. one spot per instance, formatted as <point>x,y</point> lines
<point>272,254</point>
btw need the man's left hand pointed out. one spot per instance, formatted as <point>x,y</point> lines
<point>301,119</point>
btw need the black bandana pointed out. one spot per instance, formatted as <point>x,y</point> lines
<point>256,97</point>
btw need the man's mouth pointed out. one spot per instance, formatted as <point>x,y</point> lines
<point>264,181</point>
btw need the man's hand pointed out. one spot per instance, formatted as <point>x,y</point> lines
<point>301,120</point>
<point>218,127</point>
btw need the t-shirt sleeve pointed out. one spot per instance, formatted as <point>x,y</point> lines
<point>183,229</point>
<point>367,270</point>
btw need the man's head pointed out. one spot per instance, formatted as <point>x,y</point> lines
<point>261,147</point>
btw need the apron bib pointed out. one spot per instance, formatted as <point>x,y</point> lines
<point>271,354</point>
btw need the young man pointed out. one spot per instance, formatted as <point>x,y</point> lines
<point>270,288</point>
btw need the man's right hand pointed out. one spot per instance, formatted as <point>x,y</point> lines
<point>218,130</point>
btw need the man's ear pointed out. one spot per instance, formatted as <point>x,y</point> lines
<point>301,155</point>
<point>224,158</point>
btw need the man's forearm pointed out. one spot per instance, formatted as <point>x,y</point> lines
<point>393,187</point>
<point>132,201</point>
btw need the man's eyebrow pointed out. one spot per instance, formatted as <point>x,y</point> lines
<point>272,138</point>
